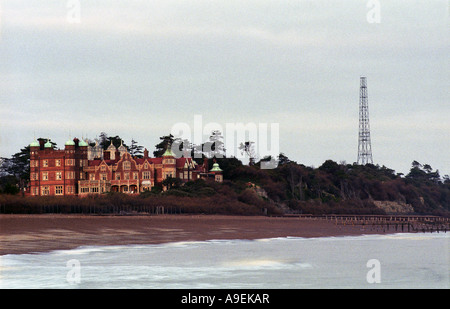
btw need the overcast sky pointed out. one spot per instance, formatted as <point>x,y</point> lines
<point>136,68</point>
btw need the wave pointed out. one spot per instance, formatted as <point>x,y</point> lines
<point>88,250</point>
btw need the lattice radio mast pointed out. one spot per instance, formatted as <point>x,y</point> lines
<point>364,146</point>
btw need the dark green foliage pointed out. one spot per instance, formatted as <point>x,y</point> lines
<point>166,141</point>
<point>291,187</point>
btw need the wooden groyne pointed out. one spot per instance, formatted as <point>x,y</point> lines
<point>387,223</point>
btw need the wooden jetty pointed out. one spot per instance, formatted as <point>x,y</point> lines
<point>392,223</point>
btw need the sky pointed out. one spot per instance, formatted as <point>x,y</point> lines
<point>136,69</point>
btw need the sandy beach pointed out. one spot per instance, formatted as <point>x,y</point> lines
<point>21,234</point>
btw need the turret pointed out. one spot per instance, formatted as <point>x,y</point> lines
<point>217,171</point>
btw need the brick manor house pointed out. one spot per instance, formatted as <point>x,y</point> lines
<point>80,169</point>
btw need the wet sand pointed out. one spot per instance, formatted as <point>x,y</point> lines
<point>21,234</point>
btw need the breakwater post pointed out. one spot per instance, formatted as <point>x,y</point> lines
<point>394,223</point>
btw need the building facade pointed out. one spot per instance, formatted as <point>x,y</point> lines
<point>81,169</point>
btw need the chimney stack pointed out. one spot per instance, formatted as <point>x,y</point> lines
<point>205,164</point>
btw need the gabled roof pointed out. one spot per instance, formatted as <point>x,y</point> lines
<point>156,160</point>
<point>97,162</point>
<point>182,162</point>
<point>111,147</point>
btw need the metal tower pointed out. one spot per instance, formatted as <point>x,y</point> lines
<point>364,146</point>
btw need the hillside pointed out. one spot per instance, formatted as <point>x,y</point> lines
<point>289,188</point>
<point>346,188</point>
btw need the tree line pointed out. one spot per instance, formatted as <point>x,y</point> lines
<point>291,187</point>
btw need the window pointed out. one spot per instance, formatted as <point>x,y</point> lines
<point>70,162</point>
<point>58,162</point>
<point>145,165</point>
<point>94,190</point>
<point>45,190</point>
<point>181,175</point>
<point>70,175</point>
<point>117,176</point>
<point>126,165</point>
<point>135,176</point>
<point>59,190</point>
<point>103,168</point>
<point>84,190</point>
<point>91,176</point>
<point>44,175</point>
<point>35,191</point>
<point>45,163</point>
<point>58,175</point>
<point>69,189</point>
<point>186,175</point>
<point>103,176</point>
<point>126,176</point>
<point>146,175</point>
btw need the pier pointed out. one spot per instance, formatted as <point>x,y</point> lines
<point>386,223</point>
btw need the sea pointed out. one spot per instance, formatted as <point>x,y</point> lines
<point>404,260</point>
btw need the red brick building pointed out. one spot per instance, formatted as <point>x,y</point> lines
<point>56,172</point>
<point>80,169</point>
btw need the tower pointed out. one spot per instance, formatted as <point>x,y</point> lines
<point>364,146</point>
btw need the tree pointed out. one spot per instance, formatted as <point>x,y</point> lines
<point>116,141</point>
<point>283,159</point>
<point>15,171</point>
<point>249,149</point>
<point>416,171</point>
<point>171,182</point>
<point>166,142</point>
<point>446,179</point>
<point>135,149</point>
<point>427,168</point>
<point>294,176</point>
<point>182,148</point>
<point>18,165</point>
<point>217,145</point>
<point>416,164</point>
<point>103,142</point>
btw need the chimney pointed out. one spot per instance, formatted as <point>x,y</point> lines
<point>145,153</point>
<point>106,155</point>
<point>41,144</point>
<point>205,164</point>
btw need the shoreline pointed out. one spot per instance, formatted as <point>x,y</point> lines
<point>37,233</point>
